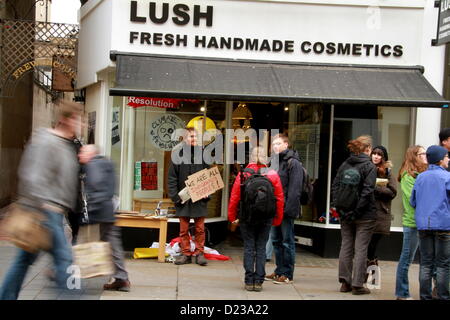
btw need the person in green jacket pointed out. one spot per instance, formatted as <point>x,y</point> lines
<point>414,163</point>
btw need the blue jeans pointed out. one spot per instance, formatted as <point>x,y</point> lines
<point>255,237</point>
<point>434,249</point>
<point>62,256</point>
<point>283,239</point>
<point>269,248</point>
<point>409,248</point>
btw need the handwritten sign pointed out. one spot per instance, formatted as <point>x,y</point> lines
<point>203,183</point>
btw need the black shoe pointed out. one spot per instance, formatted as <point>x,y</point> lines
<point>360,290</point>
<point>201,260</point>
<point>183,259</point>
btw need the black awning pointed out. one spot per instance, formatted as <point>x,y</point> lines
<point>156,76</point>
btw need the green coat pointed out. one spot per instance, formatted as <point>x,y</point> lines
<point>407,184</point>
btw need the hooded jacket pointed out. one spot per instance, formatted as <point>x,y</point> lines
<point>291,175</point>
<point>365,209</point>
<point>278,192</point>
<point>431,198</point>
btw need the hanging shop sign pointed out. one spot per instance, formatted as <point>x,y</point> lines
<point>165,103</point>
<point>443,30</point>
<point>162,129</point>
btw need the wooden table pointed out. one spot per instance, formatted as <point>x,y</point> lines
<point>136,220</point>
<point>140,204</point>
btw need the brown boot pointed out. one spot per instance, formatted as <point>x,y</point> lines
<point>118,285</point>
<point>201,260</point>
<point>345,287</point>
<point>183,259</point>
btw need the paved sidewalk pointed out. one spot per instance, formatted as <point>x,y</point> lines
<point>315,278</point>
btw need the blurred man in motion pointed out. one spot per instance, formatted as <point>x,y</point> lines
<point>48,178</point>
<point>99,188</point>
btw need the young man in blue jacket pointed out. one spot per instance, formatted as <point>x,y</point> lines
<point>430,197</point>
<point>283,237</point>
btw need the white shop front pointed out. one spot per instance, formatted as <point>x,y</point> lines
<point>322,71</point>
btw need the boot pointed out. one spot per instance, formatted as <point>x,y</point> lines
<point>201,260</point>
<point>183,259</point>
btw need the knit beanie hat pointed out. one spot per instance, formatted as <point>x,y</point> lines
<point>436,154</point>
<point>382,149</point>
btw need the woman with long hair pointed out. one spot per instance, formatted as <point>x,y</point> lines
<point>385,191</point>
<point>414,163</point>
<point>356,208</point>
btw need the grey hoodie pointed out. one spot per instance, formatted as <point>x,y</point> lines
<point>48,171</point>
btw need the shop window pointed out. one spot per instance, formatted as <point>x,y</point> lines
<point>154,125</point>
<point>388,126</point>
<point>307,126</point>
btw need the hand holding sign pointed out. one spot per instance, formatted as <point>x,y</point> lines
<point>203,183</point>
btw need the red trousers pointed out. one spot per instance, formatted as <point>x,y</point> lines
<point>198,237</point>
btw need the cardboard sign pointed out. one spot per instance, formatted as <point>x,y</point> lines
<point>203,183</point>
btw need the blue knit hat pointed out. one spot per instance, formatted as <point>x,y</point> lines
<point>436,154</point>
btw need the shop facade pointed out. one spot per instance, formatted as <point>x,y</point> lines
<point>323,72</point>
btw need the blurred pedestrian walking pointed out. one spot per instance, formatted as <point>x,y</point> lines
<point>48,178</point>
<point>99,186</point>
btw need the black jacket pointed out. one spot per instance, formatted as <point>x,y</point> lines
<point>291,176</point>
<point>366,208</point>
<point>99,184</point>
<point>178,174</point>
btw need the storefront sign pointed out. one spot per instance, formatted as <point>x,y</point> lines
<point>332,32</point>
<point>204,183</point>
<point>443,33</point>
<point>136,102</point>
<point>162,129</point>
<point>183,14</point>
<point>165,103</point>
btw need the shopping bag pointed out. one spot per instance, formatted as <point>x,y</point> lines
<point>24,227</point>
<point>93,258</point>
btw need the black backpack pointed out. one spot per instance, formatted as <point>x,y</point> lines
<point>347,195</point>
<point>307,194</point>
<point>258,201</point>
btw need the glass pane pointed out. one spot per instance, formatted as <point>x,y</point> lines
<point>154,125</point>
<point>388,126</point>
